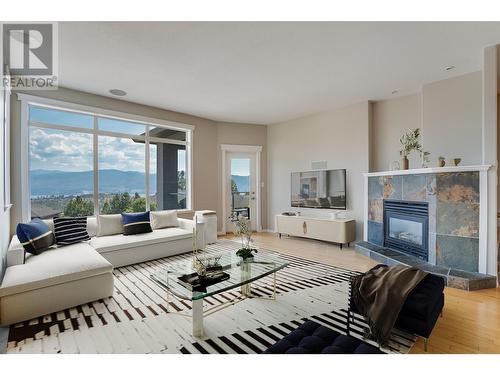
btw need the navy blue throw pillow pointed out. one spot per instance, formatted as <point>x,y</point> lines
<point>70,230</point>
<point>136,223</point>
<point>35,236</point>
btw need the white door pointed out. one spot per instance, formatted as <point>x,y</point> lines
<point>241,187</point>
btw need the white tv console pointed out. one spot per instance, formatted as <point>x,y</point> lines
<point>341,231</point>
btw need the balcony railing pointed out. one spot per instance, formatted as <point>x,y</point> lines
<point>241,204</point>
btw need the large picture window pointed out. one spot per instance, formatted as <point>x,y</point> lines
<point>83,164</point>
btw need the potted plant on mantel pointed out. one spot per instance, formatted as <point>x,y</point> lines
<point>244,230</point>
<point>409,142</point>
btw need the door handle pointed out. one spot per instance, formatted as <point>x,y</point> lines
<point>304,227</point>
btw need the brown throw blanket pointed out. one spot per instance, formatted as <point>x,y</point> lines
<point>380,294</point>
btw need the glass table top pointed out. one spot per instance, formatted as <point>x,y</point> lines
<point>240,273</point>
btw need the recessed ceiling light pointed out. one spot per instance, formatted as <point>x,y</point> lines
<point>451,67</point>
<point>117,92</point>
<point>394,92</point>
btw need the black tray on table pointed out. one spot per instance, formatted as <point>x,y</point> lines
<point>200,283</point>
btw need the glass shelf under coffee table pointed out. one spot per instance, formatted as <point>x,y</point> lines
<point>241,274</point>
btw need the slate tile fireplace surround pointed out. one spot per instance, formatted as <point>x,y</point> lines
<point>426,218</point>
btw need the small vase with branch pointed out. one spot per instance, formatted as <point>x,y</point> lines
<point>244,231</point>
<point>409,142</point>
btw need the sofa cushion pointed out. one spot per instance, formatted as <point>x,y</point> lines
<point>91,226</point>
<point>70,230</point>
<point>108,225</point>
<point>35,236</point>
<point>313,338</point>
<point>136,223</point>
<point>120,241</point>
<point>164,219</point>
<point>54,266</point>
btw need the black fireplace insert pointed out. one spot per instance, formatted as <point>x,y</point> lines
<point>406,227</point>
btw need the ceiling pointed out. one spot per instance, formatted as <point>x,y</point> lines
<point>265,73</point>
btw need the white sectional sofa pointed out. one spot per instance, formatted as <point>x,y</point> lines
<point>63,277</point>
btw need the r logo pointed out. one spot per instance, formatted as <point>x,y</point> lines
<point>28,49</point>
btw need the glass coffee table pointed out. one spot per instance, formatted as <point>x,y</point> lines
<point>241,275</point>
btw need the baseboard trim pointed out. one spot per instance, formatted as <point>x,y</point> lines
<point>262,230</point>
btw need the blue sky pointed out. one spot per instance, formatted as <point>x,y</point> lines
<point>72,151</point>
<point>240,167</point>
<point>51,116</point>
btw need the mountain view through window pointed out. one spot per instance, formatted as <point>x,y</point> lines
<point>63,152</point>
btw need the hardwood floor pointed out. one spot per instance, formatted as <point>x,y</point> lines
<point>471,321</point>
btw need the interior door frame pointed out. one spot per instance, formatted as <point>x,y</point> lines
<point>249,149</point>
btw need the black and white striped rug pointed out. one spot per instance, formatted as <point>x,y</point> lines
<point>135,320</point>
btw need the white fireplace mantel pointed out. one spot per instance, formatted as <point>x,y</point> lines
<point>466,168</point>
<point>483,201</point>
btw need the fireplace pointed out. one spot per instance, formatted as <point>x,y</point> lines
<point>406,227</point>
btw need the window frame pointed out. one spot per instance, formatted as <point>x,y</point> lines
<point>5,201</point>
<point>31,100</point>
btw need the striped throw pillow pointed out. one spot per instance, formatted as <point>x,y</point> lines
<point>69,230</point>
<point>136,223</point>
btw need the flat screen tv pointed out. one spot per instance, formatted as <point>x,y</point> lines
<point>319,189</point>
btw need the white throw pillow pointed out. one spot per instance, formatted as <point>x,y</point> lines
<point>109,225</point>
<point>163,219</point>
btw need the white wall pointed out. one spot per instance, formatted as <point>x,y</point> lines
<point>340,137</point>
<point>452,118</point>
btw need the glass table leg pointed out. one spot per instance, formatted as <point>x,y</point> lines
<point>198,317</point>
<point>246,289</point>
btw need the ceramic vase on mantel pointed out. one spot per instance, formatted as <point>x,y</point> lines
<point>405,164</point>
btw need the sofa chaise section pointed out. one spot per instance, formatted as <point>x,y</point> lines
<point>55,280</point>
<point>67,276</point>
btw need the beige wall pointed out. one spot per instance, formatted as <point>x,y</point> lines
<point>339,137</point>
<point>452,118</point>
<point>391,119</point>
<point>449,112</point>
<point>244,134</point>
<point>205,143</point>
<point>498,153</point>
